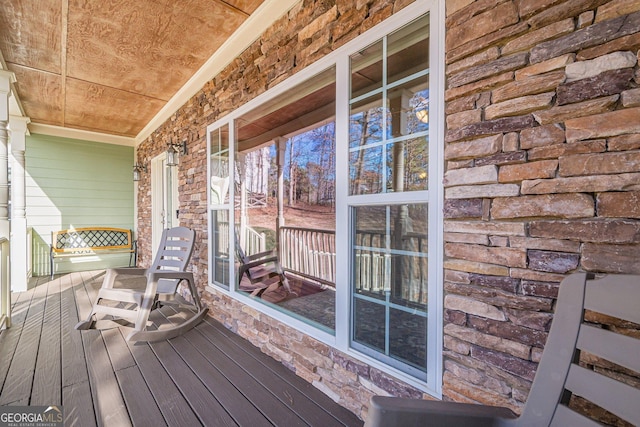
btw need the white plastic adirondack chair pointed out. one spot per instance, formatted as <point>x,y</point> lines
<point>163,278</point>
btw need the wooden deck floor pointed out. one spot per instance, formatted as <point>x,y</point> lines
<point>209,376</point>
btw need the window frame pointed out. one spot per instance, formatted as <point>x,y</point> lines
<point>434,196</point>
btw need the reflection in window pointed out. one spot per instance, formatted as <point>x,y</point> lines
<point>389,153</point>
<point>390,280</point>
<point>389,113</point>
<point>285,179</point>
<point>218,140</point>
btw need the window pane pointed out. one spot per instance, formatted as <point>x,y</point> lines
<point>366,70</point>
<point>365,122</point>
<point>366,172</point>
<point>407,165</point>
<point>369,324</point>
<point>219,165</point>
<point>409,108</point>
<point>390,274</point>
<point>408,50</point>
<point>390,113</point>
<point>220,247</point>
<point>408,337</point>
<point>285,184</point>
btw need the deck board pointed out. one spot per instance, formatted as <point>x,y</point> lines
<point>47,381</point>
<point>21,372</point>
<point>208,376</point>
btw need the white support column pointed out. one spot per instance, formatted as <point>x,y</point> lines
<point>19,236</point>
<point>6,78</point>
<point>281,145</point>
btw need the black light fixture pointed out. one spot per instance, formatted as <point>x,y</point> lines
<point>137,169</point>
<point>174,151</point>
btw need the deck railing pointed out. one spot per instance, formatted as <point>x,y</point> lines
<point>374,266</point>
<point>309,252</point>
<point>253,243</point>
<point>5,285</point>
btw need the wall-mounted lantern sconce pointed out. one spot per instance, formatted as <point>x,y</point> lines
<point>137,169</point>
<point>174,151</point>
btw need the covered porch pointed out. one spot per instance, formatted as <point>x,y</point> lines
<point>209,376</point>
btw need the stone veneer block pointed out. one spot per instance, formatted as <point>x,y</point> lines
<point>475,87</point>
<point>587,37</point>
<point>485,56</point>
<point>624,142</point>
<point>531,85</point>
<point>530,170</point>
<point>547,244</point>
<point>600,163</point>
<point>467,176</point>
<point>603,125</point>
<point>487,22</point>
<point>557,150</point>
<point>629,42</point>
<point>470,306</point>
<point>616,8</point>
<point>497,228</point>
<point>477,239</point>
<point>582,184</point>
<point>474,148</point>
<point>483,71</point>
<point>484,190</point>
<point>631,98</point>
<point>604,84</point>
<point>476,267</point>
<point>510,257</point>
<point>463,208</point>
<point>490,39</point>
<point>463,118</point>
<point>552,262</point>
<point>586,108</point>
<point>540,276</point>
<point>549,205</point>
<point>615,231</point>
<point>545,67</point>
<point>505,158</point>
<point>541,136</point>
<point>519,106</point>
<point>613,61</point>
<point>532,38</point>
<point>611,258</point>
<point>624,204</point>
<point>475,337</point>
<point>489,127</point>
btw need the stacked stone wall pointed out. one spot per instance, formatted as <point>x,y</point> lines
<point>542,158</point>
<point>542,177</point>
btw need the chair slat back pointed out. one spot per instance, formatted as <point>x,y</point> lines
<point>174,252</point>
<point>598,317</point>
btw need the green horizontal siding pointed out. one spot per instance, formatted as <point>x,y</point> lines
<point>73,183</point>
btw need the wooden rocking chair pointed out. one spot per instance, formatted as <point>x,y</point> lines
<point>559,374</point>
<point>162,280</point>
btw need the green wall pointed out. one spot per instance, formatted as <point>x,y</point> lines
<point>74,183</point>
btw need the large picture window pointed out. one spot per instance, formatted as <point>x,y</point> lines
<point>325,200</point>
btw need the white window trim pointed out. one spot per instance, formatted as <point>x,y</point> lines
<point>340,59</point>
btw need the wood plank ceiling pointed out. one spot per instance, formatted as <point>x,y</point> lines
<point>109,66</point>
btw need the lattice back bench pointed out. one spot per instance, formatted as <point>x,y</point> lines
<point>90,240</point>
